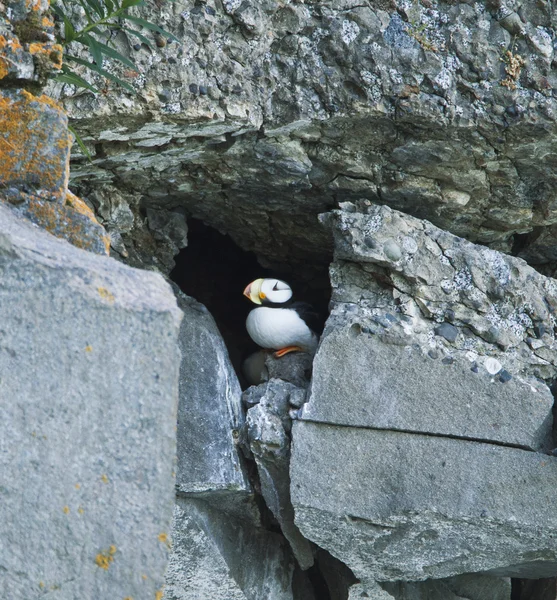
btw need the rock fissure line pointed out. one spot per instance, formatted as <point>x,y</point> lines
<point>423,434</point>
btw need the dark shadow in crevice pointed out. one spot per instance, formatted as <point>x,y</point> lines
<point>214,270</point>
<point>534,589</point>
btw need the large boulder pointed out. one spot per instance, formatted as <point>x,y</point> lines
<point>433,334</point>
<point>89,376</point>
<point>400,506</point>
<point>430,408</point>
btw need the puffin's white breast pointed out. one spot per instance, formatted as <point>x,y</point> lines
<point>278,328</point>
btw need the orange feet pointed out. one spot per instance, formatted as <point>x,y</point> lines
<point>280,353</point>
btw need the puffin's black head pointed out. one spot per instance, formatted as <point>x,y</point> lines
<point>268,292</point>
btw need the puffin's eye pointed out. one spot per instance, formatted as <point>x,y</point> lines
<point>275,289</point>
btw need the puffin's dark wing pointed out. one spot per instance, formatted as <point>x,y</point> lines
<point>308,315</point>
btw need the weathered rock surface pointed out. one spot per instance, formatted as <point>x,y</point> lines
<point>430,338</point>
<point>27,44</point>
<point>221,547</point>
<point>267,113</point>
<point>216,558</point>
<point>210,412</point>
<point>399,506</point>
<point>379,381</point>
<point>89,380</point>
<point>268,426</point>
<point>433,334</point>
<point>34,140</point>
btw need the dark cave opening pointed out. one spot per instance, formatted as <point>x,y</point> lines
<point>214,270</point>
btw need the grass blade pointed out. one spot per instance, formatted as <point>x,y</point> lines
<point>102,72</point>
<point>148,25</point>
<point>80,143</point>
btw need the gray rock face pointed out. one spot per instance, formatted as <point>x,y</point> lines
<point>210,413</point>
<point>463,587</point>
<point>220,548</point>
<point>398,506</point>
<point>447,338</point>
<point>440,109</point>
<point>268,428</point>
<point>216,558</point>
<point>430,338</point>
<point>89,381</point>
<point>382,381</point>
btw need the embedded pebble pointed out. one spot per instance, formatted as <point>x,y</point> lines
<point>448,360</point>
<point>448,331</point>
<point>409,244</point>
<point>294,413</point>
<point>492,366</point>
<point>383,321</point>
<point>504,376</point>
<point>392,250</point>
<point>539,330</point>
<point>433,354</point>
<point>474,368</point>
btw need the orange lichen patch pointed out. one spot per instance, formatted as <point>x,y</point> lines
<point>77,486</point>
<point>35,5</point>
<point>78,204</point>
<point>44,99</point>
<point>66,510</point>
<point>105,558</point>
<point>53,52</point>
<point>31,128</point>
<point>128,598</point>
<point>162,537</point>
<point>104,478</point>
<point>64,221</point>
<point>80,510</point>
<point>47,22</point>
<point>106,294</point>
<point>158,595</point>
<point>3,68</point>
<point>88,348</point>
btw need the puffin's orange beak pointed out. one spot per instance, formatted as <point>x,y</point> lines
<point>253,291</point>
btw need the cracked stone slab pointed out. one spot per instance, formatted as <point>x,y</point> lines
<point>89,365</point>
<point>430,333</point>
<point>399,506</point>
<point>392,384</point>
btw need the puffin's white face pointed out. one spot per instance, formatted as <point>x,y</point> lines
<point>265,291</point>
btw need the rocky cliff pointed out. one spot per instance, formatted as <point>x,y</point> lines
<point>393,160</point>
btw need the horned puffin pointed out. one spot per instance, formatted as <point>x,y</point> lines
<point>278,323</point>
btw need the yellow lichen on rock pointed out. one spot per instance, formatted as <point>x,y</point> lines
<point>38,142</point>
<point>3,68</point>
<point>105,558</point>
